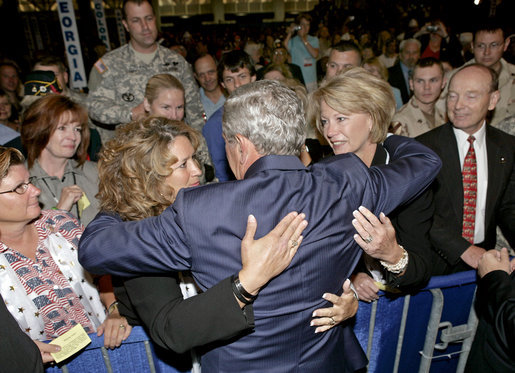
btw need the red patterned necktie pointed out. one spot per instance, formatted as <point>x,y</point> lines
<point>469,177</point>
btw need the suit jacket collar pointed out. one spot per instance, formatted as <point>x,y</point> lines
<point>274,162</point>
<point>493,151</point>
<point>452,172</point>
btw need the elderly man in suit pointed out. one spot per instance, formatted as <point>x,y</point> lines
<point>475,190</point>
<point>398,74</point>
<point>263,126</point>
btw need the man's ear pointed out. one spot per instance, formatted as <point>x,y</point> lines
<point>125,25</point>
<point>494,98</point>
<point>253,78</point>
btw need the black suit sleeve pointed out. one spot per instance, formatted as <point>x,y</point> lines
<point>412,223</point>
<point>181,324</point>
<point>18,352</point>
<point>492,349</point>
<point>506,213</point>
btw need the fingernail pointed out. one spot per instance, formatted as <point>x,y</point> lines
<point>354,221</point>
<point>314,314</point>
<point>251,217</point>
<point>325,296</point>
<point>317,331</point>
<point>302,215</point>
<point>383,215</point>
<point>355,212</point>
<point>311,323</point>
<point>361,208</point>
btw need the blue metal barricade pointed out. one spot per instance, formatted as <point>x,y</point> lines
<point>431,330</point>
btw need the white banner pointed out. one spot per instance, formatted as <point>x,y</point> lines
<point>119,26</point>
<point>100,17</point>
<point>72,43</point>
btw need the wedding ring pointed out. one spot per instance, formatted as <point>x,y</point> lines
<point>332,321</point>
<point>294,243</point>
<point>122,326</point>
<point>368,239</point>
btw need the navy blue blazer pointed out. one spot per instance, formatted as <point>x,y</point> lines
<point>203,229</point>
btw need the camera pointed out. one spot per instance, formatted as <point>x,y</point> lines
<point>297,27</point>
<point>432,28</point>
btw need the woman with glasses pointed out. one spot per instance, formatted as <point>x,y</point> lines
<point>55,135</point>
<point>41,281</point>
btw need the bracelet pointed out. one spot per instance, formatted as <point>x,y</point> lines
<point>399,266</point>
<point>111,308</point>
<point>239,291</point>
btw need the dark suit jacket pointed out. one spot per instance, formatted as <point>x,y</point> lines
<point>412,222</point>
<point>204,227</point>
<point>396,79</point>
<point>156,302</point>
<point>18,353</point>
<point>448,194</point>
<point>493,349</point>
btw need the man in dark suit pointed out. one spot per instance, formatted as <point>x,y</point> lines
<point>263,127</point>
<point>398,74</point>
<point>467,213</point>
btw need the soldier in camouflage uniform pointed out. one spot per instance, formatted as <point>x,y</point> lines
<point>117,96</point>
<point>420,114</point>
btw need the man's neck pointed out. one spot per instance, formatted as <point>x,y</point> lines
<point>144,50</point>
<point>426,108</point>
<point>214,95</point>
<point>497,67</point>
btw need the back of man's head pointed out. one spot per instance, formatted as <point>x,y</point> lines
<point>269,114</point>
<point>233,61</point>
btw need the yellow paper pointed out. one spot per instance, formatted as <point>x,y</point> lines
<point>387,288</point>
<point>83,203</point>
<point>71,342</point>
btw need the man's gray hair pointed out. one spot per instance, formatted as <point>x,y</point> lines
<point>267,113</point>
<point>409,41</point>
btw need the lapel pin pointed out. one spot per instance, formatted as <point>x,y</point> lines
<point>503,160</point>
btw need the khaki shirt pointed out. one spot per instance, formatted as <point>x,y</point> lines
<point>86,177</point>
<point>414,122</point>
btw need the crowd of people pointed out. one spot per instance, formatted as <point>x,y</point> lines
<point>159,175</point>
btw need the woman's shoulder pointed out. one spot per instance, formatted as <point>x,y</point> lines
<point>59,220</point>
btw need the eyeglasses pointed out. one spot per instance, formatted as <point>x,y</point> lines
<point>492,46</point>
<point>20,189</point>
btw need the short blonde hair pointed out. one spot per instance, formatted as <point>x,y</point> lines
<point>133,166</point>
<point>159,82</point>
<point>356,91</point>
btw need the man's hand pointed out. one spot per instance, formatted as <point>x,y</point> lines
<point>376,237</point>
<point>344,306</point>
<point>265,258</point>
<point>472,255</point>
<point>365,287</point>
<point>494,260</point>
